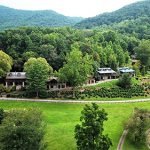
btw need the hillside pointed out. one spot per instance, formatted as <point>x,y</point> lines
<point>14,18</point>
<point>129,12</point>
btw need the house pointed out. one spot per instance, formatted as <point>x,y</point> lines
<point>18,80</point>
<point>106,73</point>
<point>54,83</point>
<point>90,80</point>
<point>15,79</point>
<point>128,70</point>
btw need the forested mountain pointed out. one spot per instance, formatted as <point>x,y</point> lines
<point>13,18</point>
<point>129,12</point>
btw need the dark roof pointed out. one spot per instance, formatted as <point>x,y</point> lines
<point>16,75</point>
<point>105,70</point>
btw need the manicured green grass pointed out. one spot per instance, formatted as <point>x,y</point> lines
<point>111,84</point>
<point>62,118</point>
<point>108,84</point>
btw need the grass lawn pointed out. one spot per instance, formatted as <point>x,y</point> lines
<point>61,119</point>
<point>108,84</point>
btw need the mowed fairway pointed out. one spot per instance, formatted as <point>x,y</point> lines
<point>62,118</point>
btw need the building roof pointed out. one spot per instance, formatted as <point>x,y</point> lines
<point>16,75</point>
<point>105,70</point>
<point>134,60</point>
<point>53,78</point>
<point>126,70</point>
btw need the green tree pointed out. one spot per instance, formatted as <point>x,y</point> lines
<point>89,135</point>
<point>22,130</point>
<point>136,67</point>
<point>5,63</point>
<point>37,71</point>
<point>77,68</point>
<point>125,81</point>
<point>138,124</point>
<point>110,36</point>
<point>143,53</point>
<point>29,54</point>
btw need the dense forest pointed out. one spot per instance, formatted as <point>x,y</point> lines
<point>127,13</point>
<point>108,48</point>
<point>15,18</point>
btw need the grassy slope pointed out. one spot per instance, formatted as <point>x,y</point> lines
<point>108,84</point>
<point>111,84</point>
<point>61,119</point>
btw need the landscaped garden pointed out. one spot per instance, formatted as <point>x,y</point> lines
<point>62,118</point>
<point>107,90</point>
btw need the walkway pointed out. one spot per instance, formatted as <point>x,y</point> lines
<point>75,101</point>
<point>122,139</point>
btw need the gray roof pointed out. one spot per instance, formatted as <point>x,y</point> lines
<point>53,78</point>
<point>105,70</point>
<point>16,75</point>
<point>126,70</point>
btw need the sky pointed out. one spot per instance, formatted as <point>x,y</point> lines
<point>80,8</point>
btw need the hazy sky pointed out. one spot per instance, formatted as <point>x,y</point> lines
<point>83,8</point>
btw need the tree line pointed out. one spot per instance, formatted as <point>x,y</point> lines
<point>107,48</point>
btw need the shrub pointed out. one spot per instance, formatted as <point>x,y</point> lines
<point>1,115</point>
<point>22,129</point>
<point>125,81</point>
<point>137,125</point>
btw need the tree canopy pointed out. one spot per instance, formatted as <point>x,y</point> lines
<point>77,68</point>
<point>37,71</point>
<point>89,135</point>
<point>125,81</point>
<point>11,18</point>
<point>5,63</point>
<point>22,129</point>
<point>138,124</point>
<point>143,53</point>
<point>129,12</point>
<point>54,44</point>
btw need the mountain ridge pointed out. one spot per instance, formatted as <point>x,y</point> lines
<point>128,12</point>
<point>11,17</point>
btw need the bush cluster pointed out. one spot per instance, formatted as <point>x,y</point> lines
<point>134,91</point>
<point>138,125</point>
<point>114,92</point>
<point>104,92</point>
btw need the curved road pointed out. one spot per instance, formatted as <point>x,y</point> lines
<point>75,101</point>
